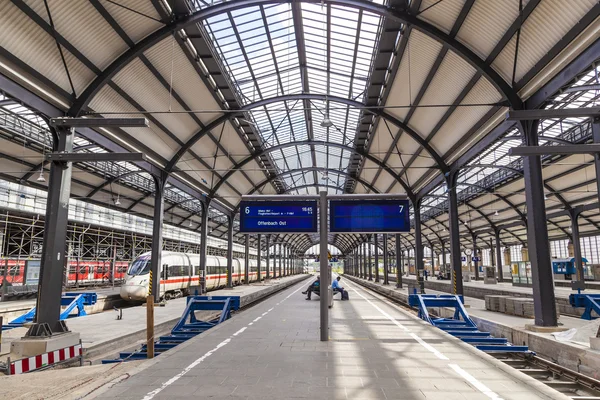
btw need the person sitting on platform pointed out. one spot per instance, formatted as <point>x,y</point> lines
<point>335,285</point>
<point>314,287</point>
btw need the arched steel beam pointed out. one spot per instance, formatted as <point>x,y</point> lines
<point>262,152</point>
<point>111,181</point>
<point>397,14</point>
<point>304,96</point>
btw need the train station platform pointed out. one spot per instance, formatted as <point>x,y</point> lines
<point>102,334</point>
<point>570,350</point>
<point>376,351</point>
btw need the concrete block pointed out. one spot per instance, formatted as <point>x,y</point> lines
<point>28,347</point>
<point>595,343</point>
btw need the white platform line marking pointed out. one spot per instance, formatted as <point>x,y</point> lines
<point>475,382</point>
<point>187,369</point>
<point>464,374</point>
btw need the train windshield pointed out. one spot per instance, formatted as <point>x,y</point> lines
<point>141,266</point>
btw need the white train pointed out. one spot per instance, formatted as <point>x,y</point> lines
<point>179,272</point>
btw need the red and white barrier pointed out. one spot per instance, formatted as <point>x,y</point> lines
<point>42,360</point>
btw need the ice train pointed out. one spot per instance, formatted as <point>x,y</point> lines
<point>179,272</point>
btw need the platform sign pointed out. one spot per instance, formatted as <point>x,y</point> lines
<point>369,216</point>
<point>278,216</point>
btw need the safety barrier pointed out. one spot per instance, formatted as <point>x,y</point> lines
<point>189,325</point>
<point>461,325</point>
<point>45,360</point>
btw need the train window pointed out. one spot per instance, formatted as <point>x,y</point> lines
<point>179,270</point>
<point>141,266</point>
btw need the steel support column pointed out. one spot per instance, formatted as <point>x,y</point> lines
<point>280,269</point>
<point>268,249</point>
<point>432,260</point>
<point>157,239</point>
<point>455,256</point>
<point>443,264</point>
<point>203,246</point>
<point>376,248</point>
<point>230,252</point>
<point>419,267</point>
<point>258,259</point>
<point>398,262</point>
<point>574,214</point>
<point>369,258</point>
<point>475,263</point>
<point>361,262</point>
<point>324,268</point>
<point>537,232</point>
<point>498,255</point>
<point>596,136</point>
<point>47,316</point>
<point>246,259</point>
<point>386,261</point>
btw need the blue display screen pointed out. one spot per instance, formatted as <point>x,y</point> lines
<point>369,216</point>
<point>278,216</point>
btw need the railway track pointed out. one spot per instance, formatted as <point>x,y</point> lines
<point>570,383</point>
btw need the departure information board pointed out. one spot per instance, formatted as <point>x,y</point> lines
<point>278,216</point>
<point>369,216</point>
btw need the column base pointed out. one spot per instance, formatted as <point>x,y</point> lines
<point>545,329</point>
<point>33,346</point>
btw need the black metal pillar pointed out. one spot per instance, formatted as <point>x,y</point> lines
<point>455,255</point>
<point>246,259</point>
<point>475,263</point>
<point>398,262</point>
<point>229,252</point>
<point>537,232</point>
<point>203,246</point>
<point>54,244</point>
<point>280,260</point>
<point>258,259</point>
<point>268,271</point>
<point>157,239</point>
<point>369,246</point>
<point>596,136</point>
<point>443,263</point>
<point>498,255</point>
<point>419,267</point>
<point>574,214</point>
<point>376,249</point>
<point>432,260</point>
<point>361,260</point>
<point>386,261</point>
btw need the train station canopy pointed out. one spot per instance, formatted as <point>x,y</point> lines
<point>296,97</point>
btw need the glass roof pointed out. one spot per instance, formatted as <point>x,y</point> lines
<point>258,50</point>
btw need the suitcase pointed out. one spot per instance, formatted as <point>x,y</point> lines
<point>345,295</point>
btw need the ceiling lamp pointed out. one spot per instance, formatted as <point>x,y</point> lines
<point>324,176</point>
<point>326,123</point>
<point>190,223</point>
<point>496,213</point>
<point>117,201</point>
<point>41,178</point>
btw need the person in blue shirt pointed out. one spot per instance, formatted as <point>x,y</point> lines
<point>335,285</point>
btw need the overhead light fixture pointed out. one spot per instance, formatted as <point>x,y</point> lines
<point>545,197</point>
<point>41,178</point>
<point>496,213</point>
<point>190,223</point>
<point>117,201</point>
<point>326,123</point>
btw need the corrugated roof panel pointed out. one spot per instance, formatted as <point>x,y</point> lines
<point>170,61</point>
<point>80,24</point>
<point>137,25</point>
<point>421,51</point>
<point>463,118</point>
<point>382,140</point>
<point>486,23</point>
<point>449,81</point>
<point>441,14</point>
<point>545,27</point>
<point>231,141</point>
<point>107,100</point>
<point>139,82</point>
<point>205,148</point>
<point>239,182</point>
<point>26,40</point>
<point>420,166</point>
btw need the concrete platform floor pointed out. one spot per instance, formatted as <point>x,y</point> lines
<point>376,351</point>
<point>101,333</point>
